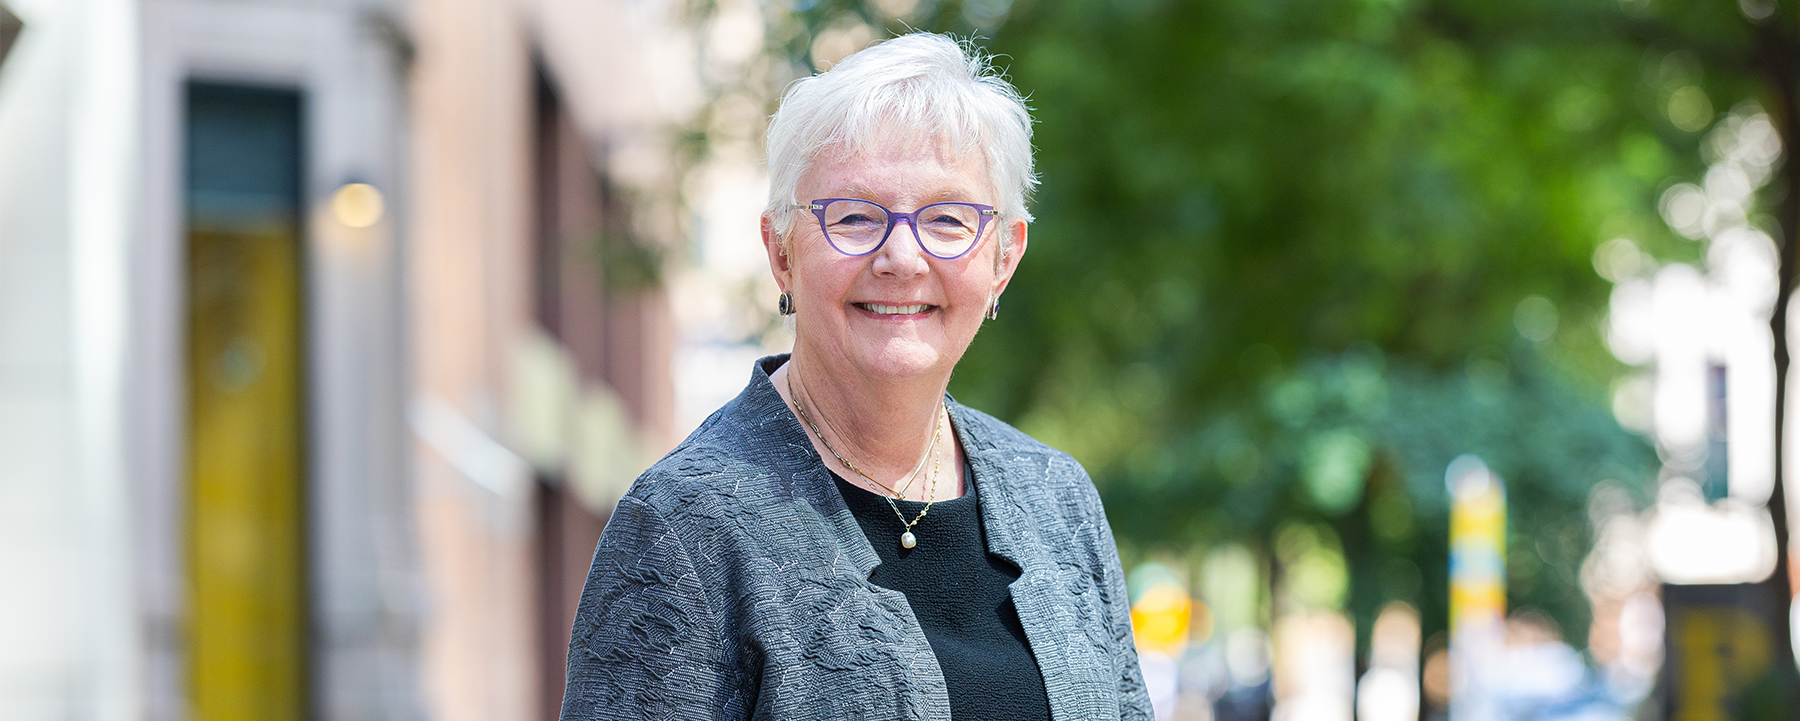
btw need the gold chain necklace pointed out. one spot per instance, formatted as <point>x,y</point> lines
<point>897,492</point>
<point>907,539</point>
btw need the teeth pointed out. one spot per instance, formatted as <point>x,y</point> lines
<point>894,309</point>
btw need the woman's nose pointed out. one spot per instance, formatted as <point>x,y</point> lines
<point>901,254</point>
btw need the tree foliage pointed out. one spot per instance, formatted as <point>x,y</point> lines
<point>1260,223</point>
<point>1283,250</point>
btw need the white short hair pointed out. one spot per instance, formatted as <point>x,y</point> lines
<point>924,81</point>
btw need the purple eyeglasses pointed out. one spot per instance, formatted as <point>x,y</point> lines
<point>857,227</point>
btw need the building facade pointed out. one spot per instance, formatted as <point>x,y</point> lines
<point>329,332</point>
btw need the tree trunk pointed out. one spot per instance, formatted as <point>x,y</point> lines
<point>1779,62</point>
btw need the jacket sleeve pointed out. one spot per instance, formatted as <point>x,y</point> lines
<point>646,644</point>
<point>1134,699</point>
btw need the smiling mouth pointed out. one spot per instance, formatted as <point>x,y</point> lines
<point>894,309</point>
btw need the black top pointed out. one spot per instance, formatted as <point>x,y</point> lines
<point>959,593</point>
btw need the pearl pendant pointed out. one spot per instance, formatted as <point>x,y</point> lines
<point>907,540</point>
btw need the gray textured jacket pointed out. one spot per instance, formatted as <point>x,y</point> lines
<point>732,582</point>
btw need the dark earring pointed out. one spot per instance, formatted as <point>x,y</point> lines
<point>993,312</point>
<point>785,304</point>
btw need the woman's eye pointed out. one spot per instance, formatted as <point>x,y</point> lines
<point>947,221</point>
<point>854,220</point>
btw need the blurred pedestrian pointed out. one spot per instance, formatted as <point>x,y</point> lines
<point>843,539</point>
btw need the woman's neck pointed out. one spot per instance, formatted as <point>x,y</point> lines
<point>884,428</point>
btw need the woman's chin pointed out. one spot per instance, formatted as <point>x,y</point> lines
<point>899,359</point>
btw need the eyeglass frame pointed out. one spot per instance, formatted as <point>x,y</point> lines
<point>817,206</point>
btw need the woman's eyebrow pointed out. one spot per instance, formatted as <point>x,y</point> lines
<point>857,190</point>
<point>949,194</point>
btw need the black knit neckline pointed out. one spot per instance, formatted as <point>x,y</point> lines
<point>961,595</point>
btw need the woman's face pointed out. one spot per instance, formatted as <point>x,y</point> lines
<point>896,313</point>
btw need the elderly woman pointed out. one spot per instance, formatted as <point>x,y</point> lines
<point>843,540</point>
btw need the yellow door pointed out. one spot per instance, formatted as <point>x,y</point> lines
<point>246,637</point>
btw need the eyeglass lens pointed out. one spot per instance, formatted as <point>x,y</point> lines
<point>945,230</point>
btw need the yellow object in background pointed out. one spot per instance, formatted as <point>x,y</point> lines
<point>1160,618</point>
<point>1477,589</point>
<point>1721,650</point>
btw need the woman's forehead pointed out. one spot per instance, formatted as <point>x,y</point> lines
<point>927,166</point>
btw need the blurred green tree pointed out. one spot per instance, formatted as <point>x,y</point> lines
<point>1295,244</point>
<point>1290,259</point>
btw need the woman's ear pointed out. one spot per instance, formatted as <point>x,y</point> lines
<point>776,247</point>
<point>1010,253</point>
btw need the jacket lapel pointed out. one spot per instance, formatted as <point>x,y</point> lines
<point>1056,604</point>
<point>798,471</point>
